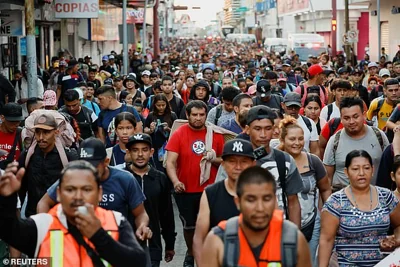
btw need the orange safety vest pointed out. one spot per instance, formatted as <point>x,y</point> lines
<point>270,255</point>
<point>64,250</point>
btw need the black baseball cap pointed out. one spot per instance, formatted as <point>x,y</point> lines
<point>238,147</point>
<point>259,113</point>
<point>12,112</point>
<point>93,151</point>
<point>72,63</point>
<point>263,88</point>
<point>139,138</point>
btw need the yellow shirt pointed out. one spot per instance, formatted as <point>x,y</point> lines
<point>383,114</point>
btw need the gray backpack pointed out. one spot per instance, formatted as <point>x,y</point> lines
<point>231,243</point>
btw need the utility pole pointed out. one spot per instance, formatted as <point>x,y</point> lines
<point>347,26</point>
<point>144,41</point>
<point>334,28</point>
<point>314,20</point>
<point>156,30</point>
<point>31,48</point>
<point>124,38</point>
<point>378,9</point>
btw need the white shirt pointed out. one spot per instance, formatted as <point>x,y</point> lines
<point>335,112</point>
<point>308,137</point>
<point>23,93</point>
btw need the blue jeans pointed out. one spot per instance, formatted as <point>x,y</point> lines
<point>313,244</point>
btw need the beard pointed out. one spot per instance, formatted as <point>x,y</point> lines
<point>140,167</point>
<point>253,228</point>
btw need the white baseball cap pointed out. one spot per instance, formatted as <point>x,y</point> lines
<point>372,65</point>
<point>384,72</point>
<point>146,72</point>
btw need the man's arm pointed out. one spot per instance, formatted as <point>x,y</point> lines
<point>303,252</point>
<point>58,92</point>
<point>314,148</point>
<point>172,158</point>
<point>118,253</point>
<point>141,221</point>
<point>45,204</point>
<point>330,170</point>
<point>214,249</point>
<point>294,210</point>
<point>202,228</point>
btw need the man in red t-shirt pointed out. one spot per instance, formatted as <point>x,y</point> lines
<point>186,148</point>
<point>11,117</point>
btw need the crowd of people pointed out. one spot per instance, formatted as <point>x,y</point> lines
<point>269,160</point>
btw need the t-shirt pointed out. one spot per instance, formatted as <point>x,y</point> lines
<point>308,136</point>
<point>231,125</point>
<point>225,116</point>
<point>92,106</point>
<point>86,127</point>
<point>359,232</point>
<point>6,143</point>
<point>335,112</point>
<point>118,156</point>
<point>190,145</point>
<point>395,117</point>
<point>294,183</point>
<point>383,114</point>
<point>66,82</point>
<point>274,102</point>
<point>106,117</point>
<point>121,192</point>
<point>369,142</point>
<point>325,131</point>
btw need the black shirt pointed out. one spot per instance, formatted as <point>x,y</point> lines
<point>221,204</point>
<point>158,204</point>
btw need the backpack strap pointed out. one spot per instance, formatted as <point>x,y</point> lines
<point>281,165</point>
<point>330,110</point>
<point>61,152</point>
<point>218,113</point>
<point>302,90</point>
<point>379,106</point>
<point>307,122</point>
<point>336,142</point>
<point>379,136</point>
<point>289,244</point>
<point>231,242</point>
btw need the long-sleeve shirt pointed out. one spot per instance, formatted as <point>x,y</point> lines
<point>23,235</point>
<point>158,204</point>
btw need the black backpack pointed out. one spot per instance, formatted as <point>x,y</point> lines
<point>307,122</point>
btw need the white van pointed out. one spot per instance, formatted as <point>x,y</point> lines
<point>273,45</point>
<point>306,44</point>
<point>241,38</point>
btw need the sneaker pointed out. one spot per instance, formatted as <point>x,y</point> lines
<point>189,261</point>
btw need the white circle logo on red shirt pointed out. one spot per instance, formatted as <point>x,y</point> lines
<point>199,147</point>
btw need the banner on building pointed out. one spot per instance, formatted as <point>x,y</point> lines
<point>286,7</point>
<point>135,16</point>
<point>76,9</point>
<point>11,23</point>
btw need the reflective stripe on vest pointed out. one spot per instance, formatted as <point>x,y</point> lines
<point>57,248</point>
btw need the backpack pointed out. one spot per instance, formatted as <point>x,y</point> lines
<point>303,89</point>
<point>218,113</point>
<point>333,125</point>
<point>65,138</point>
<point>280,164</point>
<point>231,243</point>
<point>330,110</point>
<point>381,101</point>
<point>307,122</point>
<point>376,131</point>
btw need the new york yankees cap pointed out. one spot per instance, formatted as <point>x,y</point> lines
<point>139,138</point>
<point>93,151</point>
<point>238,147</point>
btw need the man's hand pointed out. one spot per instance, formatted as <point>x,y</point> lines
<point>169,255</point>
<point>144,232</point>
<point>179,187</point>
<point>10,182</point>
<point>88,224</point>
